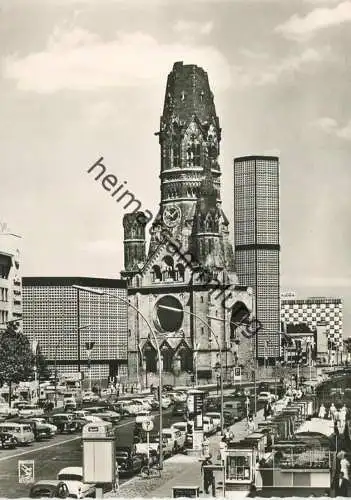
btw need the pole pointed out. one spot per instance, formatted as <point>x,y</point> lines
<point>255,391</point>
<point>55,371</point>
<point>148,447</point>
<point>78,333</point>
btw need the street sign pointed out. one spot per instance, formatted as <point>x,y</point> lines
<point>26,471</point>
<point>237,374</point>
<point>147,425</point>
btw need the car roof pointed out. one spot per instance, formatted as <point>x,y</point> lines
<point>47,482</point>
<point>72,470</point>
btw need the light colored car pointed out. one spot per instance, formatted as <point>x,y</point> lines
<point>209,426</point>
<point>165,402</point>
<point>6,411</point>
<point>127,408</point>
<point>182,427</point>
<point>73,477</point>
<point>143,403</point>
<point>142,416</point>
<point>175,437</point>
<point>265,397</point>
<point>30,411</point>
<point>90,397</point>
<point>216,418</point>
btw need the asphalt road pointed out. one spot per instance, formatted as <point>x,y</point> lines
<point>53,455</point>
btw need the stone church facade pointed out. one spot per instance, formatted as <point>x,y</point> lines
<point>184,284</point>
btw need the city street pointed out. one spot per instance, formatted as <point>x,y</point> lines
<point>51,456</point>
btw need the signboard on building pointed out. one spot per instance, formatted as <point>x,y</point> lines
<point>72,377</point>
<point>26,471</point>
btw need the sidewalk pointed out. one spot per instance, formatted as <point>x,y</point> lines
<point>180,470</point>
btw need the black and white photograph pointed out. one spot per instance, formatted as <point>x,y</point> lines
<point>175,275</point>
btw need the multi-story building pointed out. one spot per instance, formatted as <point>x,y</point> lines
<point>185,286</point>
<point>10,279</point>
<point>64,320</point>
<point>257,247</point>
<point>317,311</point>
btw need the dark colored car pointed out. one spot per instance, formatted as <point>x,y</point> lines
<point>64,423</point>
<point>213,403</point>
<point>49,489</point>
<point>8,440</point>
<point>228,418</point>
<point>167,388</point>
<point>128,461</point>
<point>179,409</point>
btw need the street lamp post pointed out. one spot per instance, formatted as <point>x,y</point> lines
<point>219,349</point>
<point>237,325</point>
<point>153,335</point>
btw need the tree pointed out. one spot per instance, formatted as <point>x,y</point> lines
<point>16,357</point>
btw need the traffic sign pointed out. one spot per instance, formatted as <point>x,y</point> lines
<point>147,425</point>
<point>26,471</point>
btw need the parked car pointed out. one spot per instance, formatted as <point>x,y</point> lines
<point>49,488</point>
<point>236,407</point>
<point>216,418</point>
<point>208,425</point>
<point>41,431</point>
<point>229,418</point>
<point>145,415</point>
<point>8,440</point>
<point>64,422</point>
<point>90,397</point>
<point>179,409</point>
<point>73,478</point>
<point>129,462</point>
<point>165,402</point>
<point>213,403</point>
<point>22,432</point>
<point>265,397</point>
<point>30,411</point>
<point>176,438</point>
<point>6,411</point>
<point>42,420</point>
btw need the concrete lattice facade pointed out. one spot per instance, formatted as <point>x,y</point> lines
<point>189,265</point>
<point>53,311</point>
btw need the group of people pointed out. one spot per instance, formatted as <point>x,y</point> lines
<point>339,417</point>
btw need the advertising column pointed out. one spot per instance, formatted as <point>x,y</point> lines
<point>195,407</point>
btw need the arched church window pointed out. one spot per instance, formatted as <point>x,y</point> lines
<point>167,355</point>
<point>156,273</point>
<point>176,155</point>
<point>186,359</point>
<point>193,153</point>
<point>180,272</point>
<point>168,271</point>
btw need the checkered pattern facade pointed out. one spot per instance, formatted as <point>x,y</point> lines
<point>313,311</point>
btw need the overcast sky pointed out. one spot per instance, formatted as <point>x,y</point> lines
<point>86,78</point>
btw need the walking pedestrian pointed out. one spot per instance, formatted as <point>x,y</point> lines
<point>342,486</point>
<point>322,411</point>
<point>258,477</point>
<point>342,417</point>
<point>332,411</point>
<point>208,476</point>
<point>223,448</point>
<point>250,425</point>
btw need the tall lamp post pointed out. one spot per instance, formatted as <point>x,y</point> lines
<point>254,371</point>
<point>219,349</point>
<point>153,335</point>
<point>55,362</point>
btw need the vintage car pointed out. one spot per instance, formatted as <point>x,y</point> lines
<point>49,488</point>
<point>128,460</point>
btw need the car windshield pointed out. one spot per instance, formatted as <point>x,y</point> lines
<point>42,491</point>
<point>167,434</point>
<point>70,477</point>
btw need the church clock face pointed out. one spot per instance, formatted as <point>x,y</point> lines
<point>171,215</point>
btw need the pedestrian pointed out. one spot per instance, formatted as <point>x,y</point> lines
<point>342,417</point>
<point>344,465</point>
<point>250,425</point>
<point>332,411</point>
<point>322,411</point>
<point>267,412</point>
<point>258,477</point>
<point>205,447</point>
<point>342,486</point>
<point>223,448</point>
<point>209,479</point>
